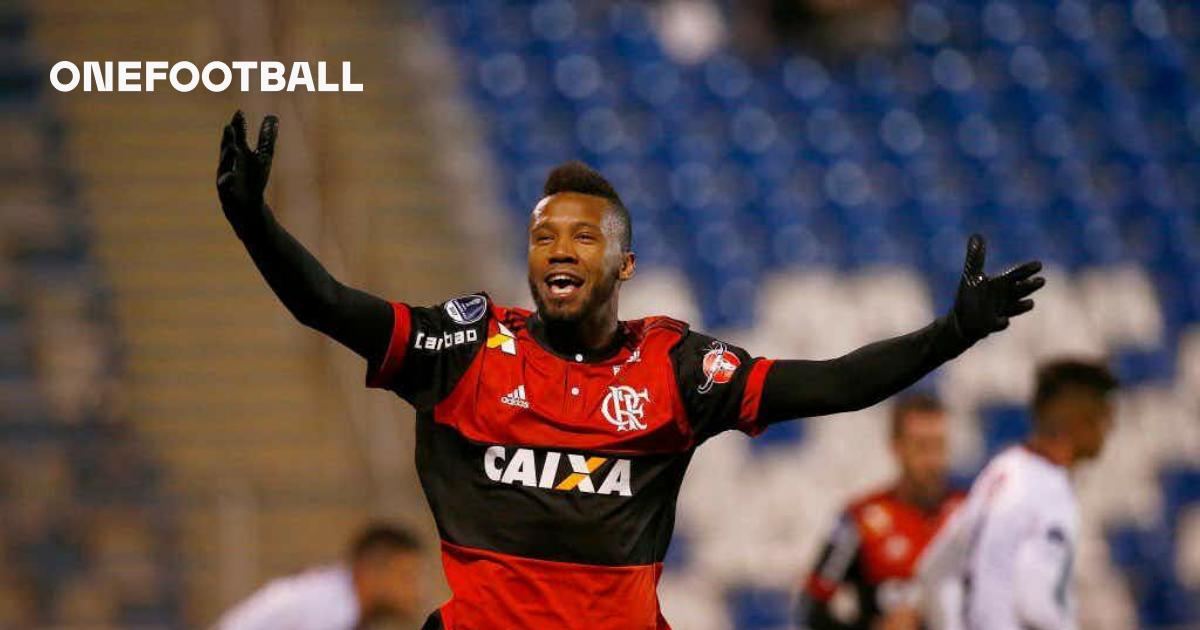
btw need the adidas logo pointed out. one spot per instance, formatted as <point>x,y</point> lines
<point>516,398</point>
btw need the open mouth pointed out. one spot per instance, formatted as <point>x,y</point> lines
<point>561,284</point>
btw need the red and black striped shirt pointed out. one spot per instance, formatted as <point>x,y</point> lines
<point>553,479</point>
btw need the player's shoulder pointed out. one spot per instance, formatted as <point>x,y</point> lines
<point>1045,482</point>
<point>657,325</point>
<point>513,318</point>
<point>654,336</point>
<point>998,476</point>
<point>321,577</point>
<point>1026,466</point>
<point>874,510</point>
<point>1015,478</point>
<point>297,588</point>
<point>463,310</point>
<point>476,309</point>
<point>876,497</point>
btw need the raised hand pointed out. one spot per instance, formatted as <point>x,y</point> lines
<point>242,173</point>
<point>985,303</point>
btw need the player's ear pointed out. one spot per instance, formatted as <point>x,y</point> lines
<point>628,266</point>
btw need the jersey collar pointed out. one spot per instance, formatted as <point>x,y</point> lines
<point>537,330</point>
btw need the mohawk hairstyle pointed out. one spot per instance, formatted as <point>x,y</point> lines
<point>575,176</point>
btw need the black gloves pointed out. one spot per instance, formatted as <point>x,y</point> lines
<point>242,174</point>
<point>984,304</point>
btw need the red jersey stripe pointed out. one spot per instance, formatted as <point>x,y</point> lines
<point>496,590</point>
<point>752,398</point>
<point>380,376</point>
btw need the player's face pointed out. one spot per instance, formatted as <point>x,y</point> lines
<point>575,259</point>
<point>1093,418</point>
<point>394,587</point>
<point>921,452</point>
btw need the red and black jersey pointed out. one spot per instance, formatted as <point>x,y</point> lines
<point>874,551</point>
<point>553,479</point>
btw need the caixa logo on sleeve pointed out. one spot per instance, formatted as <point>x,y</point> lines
<point>527,467</point>
<point>467,309</point>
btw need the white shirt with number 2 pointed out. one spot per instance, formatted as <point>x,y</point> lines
<point>1005,560</point>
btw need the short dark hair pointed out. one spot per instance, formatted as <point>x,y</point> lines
<point>1062,375</point>
<point>917,402</point>
<point>379,538</point>
<point>575,176</point>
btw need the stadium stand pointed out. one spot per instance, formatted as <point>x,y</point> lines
<point>796,206</point>
<point>776,198</point>
<point>261,434</point>
<point>86,538</point>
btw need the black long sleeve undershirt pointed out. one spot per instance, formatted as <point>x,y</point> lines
<point>356,319</point>
<point>795,389</point>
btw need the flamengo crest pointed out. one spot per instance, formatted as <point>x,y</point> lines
<point>623,407</point>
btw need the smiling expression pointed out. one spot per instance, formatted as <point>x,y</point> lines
<point>575,257</point>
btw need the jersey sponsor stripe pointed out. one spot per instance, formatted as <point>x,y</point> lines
<point>497,590</point>
<point>550,504</point>
<point>573,480</point>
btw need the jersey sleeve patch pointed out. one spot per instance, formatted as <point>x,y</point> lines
<point>467,309</point>
<point>719,383</point>
<point>431,348</point>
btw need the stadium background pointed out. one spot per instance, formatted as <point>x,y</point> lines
<point>802,177</point>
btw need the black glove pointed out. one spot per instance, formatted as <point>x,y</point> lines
<point>242,174</point>
<point>984,304</point>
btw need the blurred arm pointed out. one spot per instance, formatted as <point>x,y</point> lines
<point>984,304</point>
<point>838,564</point>
<point>272,606</point>
<point>356,319</point>
<point>941,569</point>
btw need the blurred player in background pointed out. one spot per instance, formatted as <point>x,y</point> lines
<point>1005,559</point>
<point>377,583</point>
<point>551,445</point>
<point>874,548</point>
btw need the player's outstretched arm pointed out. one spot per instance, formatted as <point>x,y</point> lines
<point>839,564</point>
<point>984,305</point>
<point>358,320</point>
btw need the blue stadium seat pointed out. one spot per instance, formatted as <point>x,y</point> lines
<point>1004,425</point>
<point>678,553</point>
<point>782,434</point>
<point>760,609</point>
<point>1066,131</point>
<point>1138,367</point>
<point>1180,488</point>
